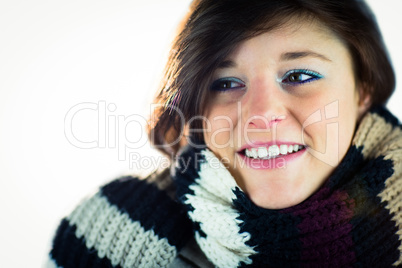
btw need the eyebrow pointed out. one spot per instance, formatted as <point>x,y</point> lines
<point>284,57</point>
<point>227,64</point>
<point>302,54</point>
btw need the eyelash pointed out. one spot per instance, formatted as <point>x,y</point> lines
<point>221,84</point>
<point>217,85</point>
<point>313,76</point>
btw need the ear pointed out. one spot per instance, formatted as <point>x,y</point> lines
<point>186,134</point>
<point>364,99</point>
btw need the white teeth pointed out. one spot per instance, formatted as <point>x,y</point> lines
<point>283,149</point>
<point>262,152</point>
<point>272,151</point>
<point>290,148</point>
<point>247,152</point>
<point>254,152</point>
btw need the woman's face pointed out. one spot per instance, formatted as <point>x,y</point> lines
<point>283,112</point>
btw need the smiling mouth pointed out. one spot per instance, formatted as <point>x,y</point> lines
<point>272,151</point>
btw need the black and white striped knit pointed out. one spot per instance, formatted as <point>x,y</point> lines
<point>353,220</point>
<point>128,223</point>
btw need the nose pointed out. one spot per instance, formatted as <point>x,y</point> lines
<point>265,104</point>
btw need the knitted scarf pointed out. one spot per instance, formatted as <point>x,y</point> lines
<point>354,219</point>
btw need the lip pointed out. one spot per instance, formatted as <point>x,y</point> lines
<point>279,162</point>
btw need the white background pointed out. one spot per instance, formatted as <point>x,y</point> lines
<point>57,54</point>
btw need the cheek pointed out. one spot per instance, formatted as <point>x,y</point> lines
<point>219,127</point>
<point>329,129</point>
<point>348,116</point>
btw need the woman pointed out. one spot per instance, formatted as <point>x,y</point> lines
<point>284,156</point>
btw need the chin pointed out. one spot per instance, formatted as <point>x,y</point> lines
<point>278,190</point>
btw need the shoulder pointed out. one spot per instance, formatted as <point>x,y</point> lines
<point>129,222</point>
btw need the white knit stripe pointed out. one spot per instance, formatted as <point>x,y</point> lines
<point>391,148</point>
<point>114,235</point>
<point>84,214</point>
<point>371,127</point>
<point>212,201</point>
<point>214,170</point>
<point>222,257</point>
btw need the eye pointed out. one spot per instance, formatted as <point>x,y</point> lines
<point>298,77</point>
<point>227,83</point>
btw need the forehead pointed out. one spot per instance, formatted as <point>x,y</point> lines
<point>295,39</point>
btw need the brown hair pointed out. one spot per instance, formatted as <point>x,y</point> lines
<point>213,29</point>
